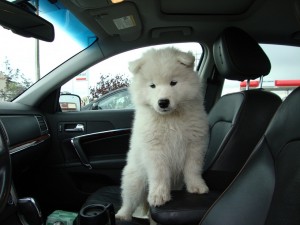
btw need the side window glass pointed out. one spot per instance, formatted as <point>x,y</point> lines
<point>120,100</point>
<point>284,76</point>
<point>104,85</point>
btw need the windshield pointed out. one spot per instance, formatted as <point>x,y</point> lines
<point>23,61</point>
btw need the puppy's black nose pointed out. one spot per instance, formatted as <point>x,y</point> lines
<point>163,103</point>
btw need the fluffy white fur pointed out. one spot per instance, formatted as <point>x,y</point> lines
<point>168,143</point>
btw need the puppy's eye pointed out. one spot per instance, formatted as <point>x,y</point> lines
<point>173,83</point>
<point>152,85</point>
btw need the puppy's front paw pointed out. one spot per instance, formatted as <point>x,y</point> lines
<point>197,186</point>
<point>159,197</point>
<point>122,215</point>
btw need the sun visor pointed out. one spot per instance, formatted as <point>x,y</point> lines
<point>119,19</point>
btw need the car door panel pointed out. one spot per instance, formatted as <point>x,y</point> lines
<point>101,150</point>
<point>103,144</point>
<point>101,158</point>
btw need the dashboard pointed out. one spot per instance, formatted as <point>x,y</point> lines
<point>25,131</point>
<point>27,137</point>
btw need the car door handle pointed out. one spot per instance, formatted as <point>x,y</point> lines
<point>82,157</point>
<point>78,128</point>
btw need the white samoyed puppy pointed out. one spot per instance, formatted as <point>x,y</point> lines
<point>170,130</point>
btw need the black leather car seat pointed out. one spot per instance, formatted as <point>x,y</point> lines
<point>237,57</point>
<point>5,170</point>
<point>266,191</point>
<point>237,122</point>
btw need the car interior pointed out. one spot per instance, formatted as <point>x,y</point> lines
<point>61,163</point>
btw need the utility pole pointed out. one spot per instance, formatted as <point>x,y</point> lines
<point>37,49</point>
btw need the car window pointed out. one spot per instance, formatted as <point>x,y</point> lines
<point>120,100</point>
<point>284,76</point>
<point>98,86</point>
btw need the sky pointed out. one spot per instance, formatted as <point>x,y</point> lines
<point>284,60</point>
<point>20,52</point>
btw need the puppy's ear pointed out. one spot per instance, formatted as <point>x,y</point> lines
<point>186,59</point>
<point>135,66</point>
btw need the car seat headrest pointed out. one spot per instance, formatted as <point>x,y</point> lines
<point>239,57</point>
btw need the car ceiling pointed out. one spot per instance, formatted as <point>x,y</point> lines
<point>163,21</point>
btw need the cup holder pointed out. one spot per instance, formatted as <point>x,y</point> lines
<point>97,214</point>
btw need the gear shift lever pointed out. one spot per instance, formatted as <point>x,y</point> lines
<point>30,211</point>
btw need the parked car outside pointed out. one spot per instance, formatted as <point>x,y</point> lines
<point>117,99</point>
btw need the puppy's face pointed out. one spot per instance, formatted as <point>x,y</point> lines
<point>163,80</point>
<point>164,95</point>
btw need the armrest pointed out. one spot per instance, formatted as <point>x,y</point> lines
<point>184,208</point>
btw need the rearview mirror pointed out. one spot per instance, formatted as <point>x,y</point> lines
<point>25,23</point>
